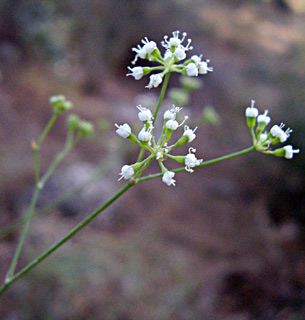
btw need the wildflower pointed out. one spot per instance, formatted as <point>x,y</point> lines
<point>263,118</point>
<point>189,133</point>
<point>149,46</point>
<point>191,70</point>
<point>168,178</point>
<point>154,81</point>
<point>289,152</point>
<point>179,53</point>
<point>173,124</point>
<point>136,72</point>
<point>278,132</point>
<point>204,68</point>
<point>169,115</point>
<point>123,130</point>
<point>145,134</point>
<point>251,112</point>
<point>191,160</point>
<point>140,52</point>
<point>126,172</point>
<point>144,114</point>
<point>196,59</point>
<point>168,54</point>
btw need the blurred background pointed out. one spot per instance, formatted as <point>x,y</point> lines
<point>228,241</point>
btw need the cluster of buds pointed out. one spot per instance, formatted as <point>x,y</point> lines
<point>262,139</point>
<point>159,150</point>
<point>175,52</point>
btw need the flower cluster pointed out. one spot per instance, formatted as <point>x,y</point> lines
<point>159,150</point>
<point>175,52</point>
<point>263,140</point>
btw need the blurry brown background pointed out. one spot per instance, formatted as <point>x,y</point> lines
<point>228,241</point>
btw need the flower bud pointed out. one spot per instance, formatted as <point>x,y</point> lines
<point>123,130</point>
<point>60,104</point>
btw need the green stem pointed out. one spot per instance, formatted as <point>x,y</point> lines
<point>164,86</point>
<point>36,146</point>
<point>29,216</point>
<point>203,164</point>
<point>39,185</point>
<point>141,154</point>
<point>9,281</point>
<point>47,129</point>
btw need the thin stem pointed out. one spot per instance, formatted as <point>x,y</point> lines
<point>28,218</point>
<point>203,164</point>
<point>9,281</point>
<point>31,210</point>
<point>47,129</point>
<point>36,146</point>
<point>164,86</point>
<point>141,154</point>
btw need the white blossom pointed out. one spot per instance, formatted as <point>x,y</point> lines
<point>189,133</point>
<point>263,118</point>
<point>251,112</point>
<point>149,46</point>
<point>154,81</point>
<point>191,160</point>
<point>127,172</point>
<point>140,52</point>
<point>168,178</point>
<point>168,54</point>
<point>204,68</point>
<point>123,130</point>
<point>136,72</point>
<point>172,125</point>
<point>144,114</point>
<point>145,134</point>
<point>278,132</point>
<point>169,115</point>
<point>191,70</point>
<point>179,53</point>
<point>196,59</point>
<point>289,152</point>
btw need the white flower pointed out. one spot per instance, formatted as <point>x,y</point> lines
<point>263,137</point>
<point>289,152</point>
<point>196,59</point>
<point>168,54</point>
<point>175,42</point>
<point>263,118</point>
<point>169,115</point>
<point>149,46</point>
<point>179,53</point>
<point>168,178</point>
<point>191,70</point>
<point>191,160</point>
<point>154,81</point>
<point>145,135</point>
<point>251,112</point>
<point>136,72</point>
<point>127,172</point>
<point>123,130</point>
<point>140,52</point>
<point>204,68</point>
<point>172,125</point>
<point>144,114</point>
<point>278,132</point>
<point>189,133</point>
